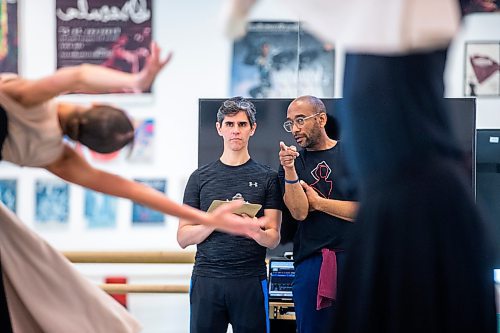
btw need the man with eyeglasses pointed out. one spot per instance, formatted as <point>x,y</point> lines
<point>229,283</point>
<point>317,191</point>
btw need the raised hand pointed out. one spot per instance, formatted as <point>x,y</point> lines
<point>154,64</point>
<point>287,155</point>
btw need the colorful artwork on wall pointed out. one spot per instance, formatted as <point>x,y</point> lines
<point>8,36</point>
<point>51,202</point>
<point>482,69</point>
<point>281,59</point>
<point>142,215</point>
<point>8,193</point>
<point>100,210</point>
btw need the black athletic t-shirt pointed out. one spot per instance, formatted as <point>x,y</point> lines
<point>325,171</point>
<point>221,254</point>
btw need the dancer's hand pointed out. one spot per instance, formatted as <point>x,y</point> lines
<point>225,220</point>
<point>154,64</point>
<point>254,227</point>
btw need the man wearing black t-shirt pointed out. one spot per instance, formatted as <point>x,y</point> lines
<point>318,193</point>
<point>229,277</point>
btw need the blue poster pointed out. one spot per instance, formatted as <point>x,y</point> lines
<point>100,210</point>
<point>8,193</point>
<point>144,215</point>
<point>52,202</point>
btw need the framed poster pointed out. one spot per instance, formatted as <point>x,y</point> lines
<point>142,215</point>
<point>51,203</point>
<point>482,69</point>
<point>100,210</point>
<point>480,6</point>
<point>281,59</point>
<point>8,193</point>
<point>111,33</point>
<point>8,36</point>
<point>143,148</point>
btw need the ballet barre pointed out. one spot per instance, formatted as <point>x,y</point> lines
<point>130,257</point>
<point>134,257</point>
<point>121,288</point>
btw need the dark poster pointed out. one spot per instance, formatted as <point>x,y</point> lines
<point>281,59</point>
<point>111,33</point>
<point>479,6</point>
<point>8,36</point>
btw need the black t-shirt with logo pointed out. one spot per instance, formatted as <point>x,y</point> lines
<point>221,254</point>
<point>324,170</point>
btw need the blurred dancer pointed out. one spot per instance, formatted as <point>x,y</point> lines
<point>421,260</point>
<point>32,125</point>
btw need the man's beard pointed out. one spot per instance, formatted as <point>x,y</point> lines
<point>312,139</point>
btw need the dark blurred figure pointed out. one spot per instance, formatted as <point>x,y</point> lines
<point>421,259</point>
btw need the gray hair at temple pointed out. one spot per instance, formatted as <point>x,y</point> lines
<point>234,105</point>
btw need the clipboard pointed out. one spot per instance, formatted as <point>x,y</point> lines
<point>247,208</point>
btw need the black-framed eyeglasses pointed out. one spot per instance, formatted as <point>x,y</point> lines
<point>243,105</point>
<point>299,122</point>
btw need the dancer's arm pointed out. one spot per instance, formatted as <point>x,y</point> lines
<point>73,168</point>
<point>85,78</point>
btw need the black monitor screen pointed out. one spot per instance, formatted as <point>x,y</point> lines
<point>488,181</point>
<point>281,275</point>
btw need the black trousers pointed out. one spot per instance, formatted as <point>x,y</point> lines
<point>217,302</point>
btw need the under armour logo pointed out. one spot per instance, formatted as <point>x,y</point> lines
<point>252,184</point>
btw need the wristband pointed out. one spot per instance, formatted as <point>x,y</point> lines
<point>291,181</point>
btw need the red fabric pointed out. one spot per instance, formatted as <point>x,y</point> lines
<point>327,284</point>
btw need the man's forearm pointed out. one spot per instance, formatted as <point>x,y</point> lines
<point>295,197</point>
<point>296,201</point>
<point>345,210</point>
<point>269,238</point>
<point>189,234</point>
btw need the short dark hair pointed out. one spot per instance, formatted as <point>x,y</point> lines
<point>315,102</point>
<point>332,126</point>
<point>102,128</point>
<point>234,105</point>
